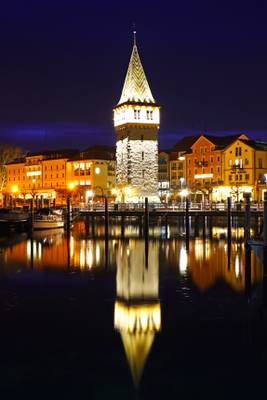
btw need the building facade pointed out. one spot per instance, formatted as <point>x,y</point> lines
<point>245,169</point>
<point>136,122</point>
<point>52,175</point>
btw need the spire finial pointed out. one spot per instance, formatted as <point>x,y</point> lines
<point>134,33</point>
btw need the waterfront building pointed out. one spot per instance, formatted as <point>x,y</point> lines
<point>178,178</point>
<point>205,166</point>
<point>164,175</point>
<point>136,122</point>
<point>52,175</point>
<point>245,169</point>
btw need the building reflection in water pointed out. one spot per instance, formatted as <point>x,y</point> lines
<point>137,314</point>
<point>208,263</point>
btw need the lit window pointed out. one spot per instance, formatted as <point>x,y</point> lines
<point>97,170</point>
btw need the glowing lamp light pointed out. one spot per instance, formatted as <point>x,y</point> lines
<point>97,170</point>
<point>14,189</point>
<point>184,192</point>
<point>114,191</point>
<point>89,193</point>
<point>71,185</point>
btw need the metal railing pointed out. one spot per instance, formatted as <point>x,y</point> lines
<point>99,206</point>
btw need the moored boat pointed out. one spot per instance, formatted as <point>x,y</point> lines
<point>48,219</point>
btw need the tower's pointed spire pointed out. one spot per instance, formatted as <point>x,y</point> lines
<point>136,87</point>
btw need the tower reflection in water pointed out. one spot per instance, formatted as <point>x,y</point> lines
<point>137,314</point>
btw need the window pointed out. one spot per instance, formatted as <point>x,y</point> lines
<point>57,175</point>
<point>149,115</point>
<point>57,167</point>
<point>236,177</point>
<point>240,151</point>
<point>211,170</point>
<point>260,162</point>
<point>211,160</point>
<point>205,149</point>
<point>240,177</point>
<point>137,114</point>
<point>246,161</point>
<point>51,167</point>
<point>63,166</point>
<point>230,177</point>
<point>142,155</point>
<point>247,177</point>
<point>230,163</point>
<point>63,175</point>
<point>195,170</point>
<point>218,169</point>
<point>218,159</point>
<point>189,161</point>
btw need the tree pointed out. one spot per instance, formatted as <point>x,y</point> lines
<point>8,154</point>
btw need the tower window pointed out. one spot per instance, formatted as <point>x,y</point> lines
<point>143,155</point>
<point>149,114</point>
<point>137,114</point>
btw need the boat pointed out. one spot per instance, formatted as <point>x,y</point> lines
<point>48,219</point>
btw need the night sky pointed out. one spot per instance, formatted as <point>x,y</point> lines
<point>63,64</point>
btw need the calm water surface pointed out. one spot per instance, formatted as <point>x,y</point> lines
<point>83,318</point>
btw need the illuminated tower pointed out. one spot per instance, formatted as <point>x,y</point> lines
<point>136,122</point>
<point>137,314</point>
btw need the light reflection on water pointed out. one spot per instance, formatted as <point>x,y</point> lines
<point>137,307</point>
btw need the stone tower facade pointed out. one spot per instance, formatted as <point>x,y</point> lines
<point>136,122</point>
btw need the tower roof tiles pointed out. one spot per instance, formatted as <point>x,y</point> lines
<point>136,88</point>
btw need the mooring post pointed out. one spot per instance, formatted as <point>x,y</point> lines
<point>106,217</point>
<point>31,214</point>
<point>42,201</point>
<point>187,221</point>
<point>146,218</point>
<point>247,217</point>
<point>265,220</point>
<point>229,231</point>
<point>54,203</point>
<point>68,213</point>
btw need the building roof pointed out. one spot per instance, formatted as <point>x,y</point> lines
<point>257,145</point>
<point>185,143</point>
<point>136,88</point>
<point>99,152</point>
<point>55,154</point>
<point>223,141</point>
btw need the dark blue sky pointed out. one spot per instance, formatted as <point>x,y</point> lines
<point>62,67</point>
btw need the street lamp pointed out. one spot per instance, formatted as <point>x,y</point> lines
<point>14,191</point>
<point>184,193</point>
